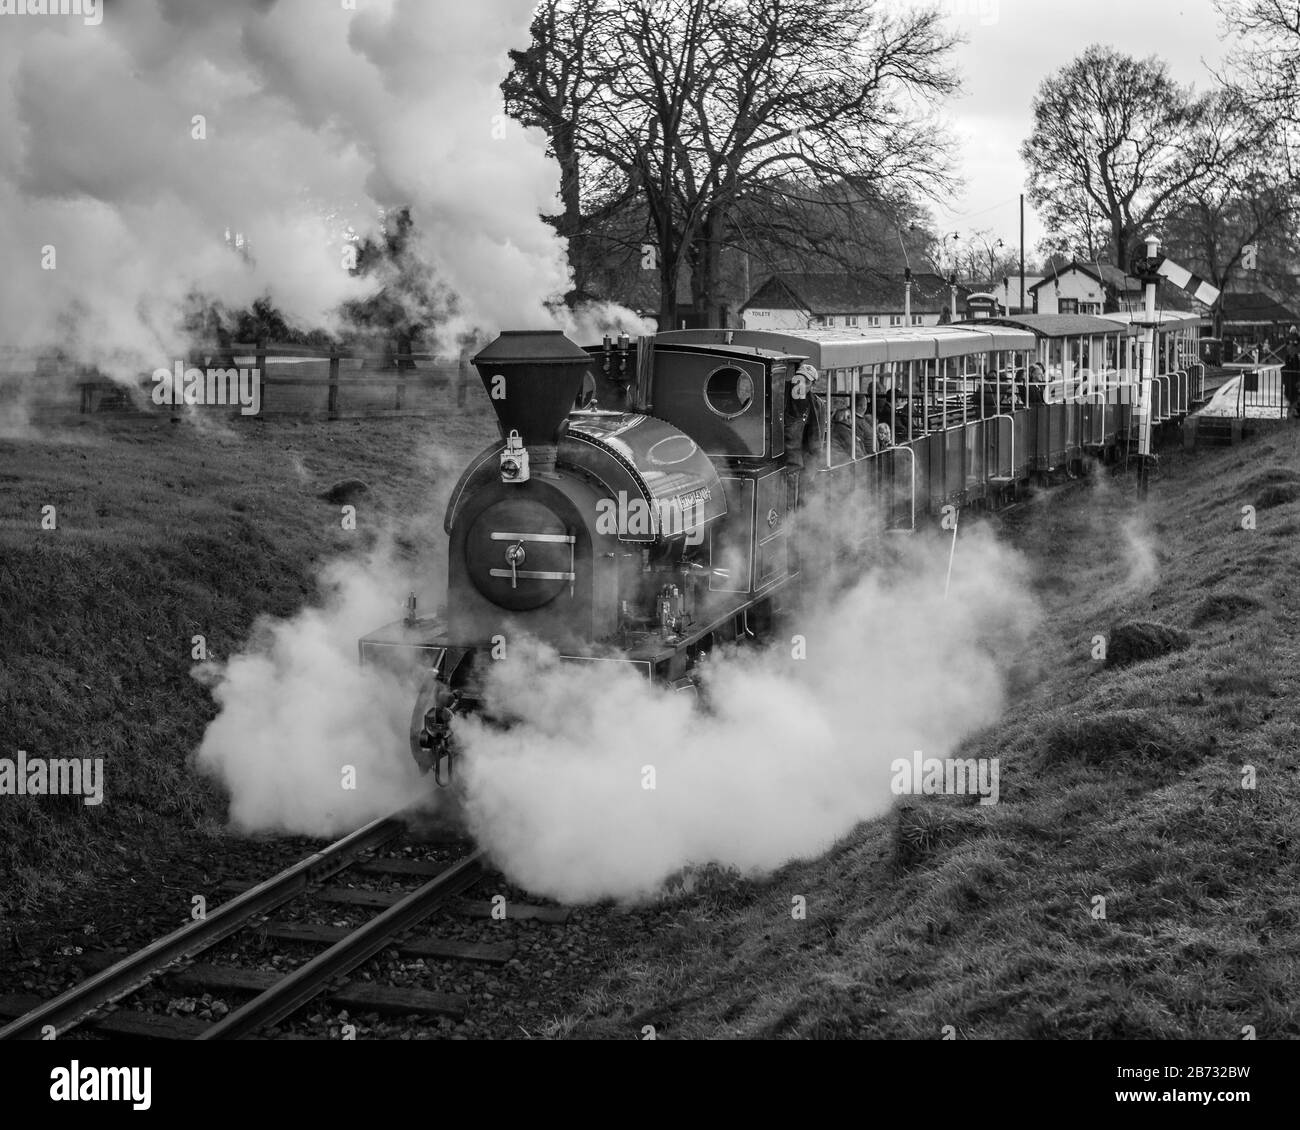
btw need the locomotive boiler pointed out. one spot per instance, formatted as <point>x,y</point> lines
<point>634,510</point>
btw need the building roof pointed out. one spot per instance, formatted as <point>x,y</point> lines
<point>830,293</point>
<point>1101,273</point>
<point>1120,283</point>
<point>1254,307</point>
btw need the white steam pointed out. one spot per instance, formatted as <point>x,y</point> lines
<point>314,119</point>
<point>792,753</point>
<point>307,741</point>
<point>1141,557</point>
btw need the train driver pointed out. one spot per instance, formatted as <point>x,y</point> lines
<point>798,409</point>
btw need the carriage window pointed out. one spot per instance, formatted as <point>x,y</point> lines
<point>729,391</point>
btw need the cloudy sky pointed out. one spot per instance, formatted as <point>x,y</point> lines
<point>1011,46</point>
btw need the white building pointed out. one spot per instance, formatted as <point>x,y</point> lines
<point>1099,288</point>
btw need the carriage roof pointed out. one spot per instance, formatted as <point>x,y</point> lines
<point>851,348</point>
<point>1066,325</point>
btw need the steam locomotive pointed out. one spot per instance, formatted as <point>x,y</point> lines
<point>638,506</point>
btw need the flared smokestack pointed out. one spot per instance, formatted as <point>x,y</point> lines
<point>532,378</point>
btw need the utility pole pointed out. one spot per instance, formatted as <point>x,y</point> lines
<point>1022,252</point>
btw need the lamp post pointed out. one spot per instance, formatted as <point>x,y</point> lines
<point>907,276</point>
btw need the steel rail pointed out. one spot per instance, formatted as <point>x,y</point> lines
<point>309,980</point>
<point>74,1005</point>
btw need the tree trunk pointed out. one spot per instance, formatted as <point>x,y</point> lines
<point>706,262</point>
<point>670,265</point>
<point>569,223</point>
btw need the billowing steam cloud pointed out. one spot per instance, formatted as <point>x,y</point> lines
<point>790,755</point>
<point>135,145</point>
<point>307,741</point>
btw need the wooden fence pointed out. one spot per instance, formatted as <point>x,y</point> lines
<point>322,376</point>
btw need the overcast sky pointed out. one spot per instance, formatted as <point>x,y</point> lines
<point>1012,45</point>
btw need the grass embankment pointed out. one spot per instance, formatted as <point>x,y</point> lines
<point>1122,778</point>
<point>165,532</point>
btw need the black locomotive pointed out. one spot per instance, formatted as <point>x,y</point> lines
<point>634,511</point>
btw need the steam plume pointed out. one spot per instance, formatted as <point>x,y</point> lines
<point>791,754</point>
<point>314,118</point>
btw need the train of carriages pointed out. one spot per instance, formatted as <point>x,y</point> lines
<point>638,506</point>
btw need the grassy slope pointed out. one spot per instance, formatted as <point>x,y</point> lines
<point>1123,782</point>
<point>164,532</point>
<point>940,914</point>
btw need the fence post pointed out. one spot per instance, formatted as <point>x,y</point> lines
<point>334,384</point>
<point>259,360</point>
<point>462,385</point>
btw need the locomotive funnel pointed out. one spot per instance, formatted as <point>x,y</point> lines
<point>532,378</point>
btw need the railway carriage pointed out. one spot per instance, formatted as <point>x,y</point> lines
<point>638,504</point>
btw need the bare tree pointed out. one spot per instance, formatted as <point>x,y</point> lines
<point>1265,68</point>
<point>707,108</point>
<point>1118,146</point>
<point>1252,197</point>
<point>551,85</point>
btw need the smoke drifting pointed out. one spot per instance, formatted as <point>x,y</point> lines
<point>790,754</point>
<point>307,741</point>
<point>137,145</point>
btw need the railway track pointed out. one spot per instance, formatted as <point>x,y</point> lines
<point>96,1003</point>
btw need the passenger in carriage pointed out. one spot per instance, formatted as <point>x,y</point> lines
<point>864,424</point>
<point>1013,389</point>
<point>842,435</point>
<point>989,396</point>
<point>1037,384</point>
<point>878,400</point>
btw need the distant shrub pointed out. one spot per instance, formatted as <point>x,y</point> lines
<point>1224,607</point>
<point>1120,738</point>
<point>1140,640</point>
<point>1272,476</point>
<point>1277,495</point>
<point>921,830</point>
